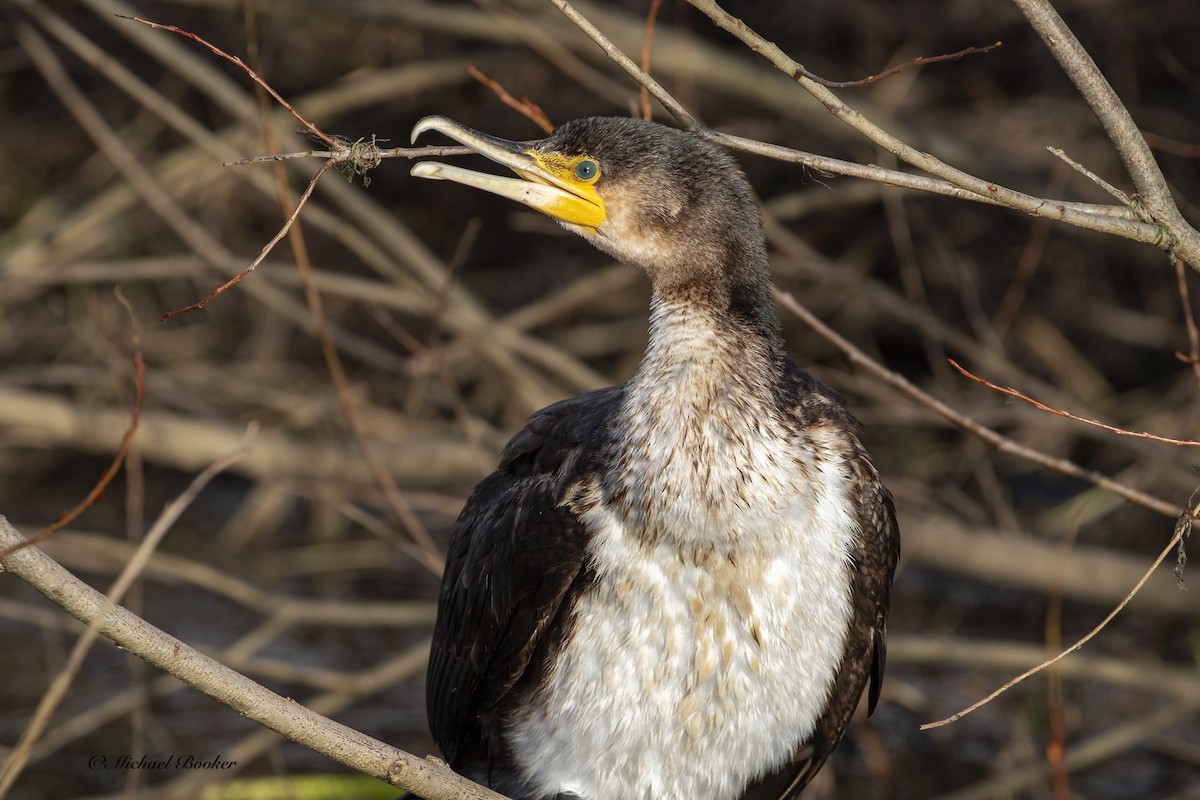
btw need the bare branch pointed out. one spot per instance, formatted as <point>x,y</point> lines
<point>1011,392</point>
<point>1122,131</point>
<point>919,61</point>
<point>320,134</point>
<point>961,420</point>
<point>267,248</point>
<point>525,106</point>
<point>1122,198</point>
<point>1180,532</point>
<point>685,117</point>
<point>430,778</point>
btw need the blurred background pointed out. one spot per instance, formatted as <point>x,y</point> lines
<point>311,564</point>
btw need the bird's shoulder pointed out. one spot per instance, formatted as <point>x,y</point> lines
<point>516,550</point>
<point>553,445</point>
<point>810,401</point>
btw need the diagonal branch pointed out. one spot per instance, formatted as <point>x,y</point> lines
<point>685,117</point>
<point>960,420</point>
<point>430,778</point>
<point>1181,532</point>
<point>1173,233</point>
<point>1122,131</point>
<point>62,681</point>
<point>333,143</point>
<point>1011,392</point>
<point>946,180</point>
<point>526,107</point>
<point>1111,219</point>
<point>266,250</point>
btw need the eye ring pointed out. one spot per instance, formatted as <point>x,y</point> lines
<point>586,169</point>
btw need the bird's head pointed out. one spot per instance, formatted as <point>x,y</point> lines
<point>663,200</point>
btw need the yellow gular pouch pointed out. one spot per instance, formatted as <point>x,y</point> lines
<point>581,204</point>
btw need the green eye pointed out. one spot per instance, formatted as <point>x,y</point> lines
<point>586,169</point>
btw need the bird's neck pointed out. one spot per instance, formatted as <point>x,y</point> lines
<point>706,392</point>
<point>695,338</point>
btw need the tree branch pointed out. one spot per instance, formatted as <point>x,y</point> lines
<point>1172,233</point>
<point>430,778</point>
<point>1122,131</point>
<point>685,117</point>
<point>946,180</point>
<point>957,418</point>
<point>132,569</point>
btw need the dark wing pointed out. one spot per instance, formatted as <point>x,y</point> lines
<point>866,642</point>
<point>516,551</point>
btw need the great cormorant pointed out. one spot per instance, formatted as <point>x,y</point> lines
<point>676,588</point>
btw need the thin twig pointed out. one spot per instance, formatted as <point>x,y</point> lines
<point>1175,540</point>
<point>287,226</point>
<point>135,416</point>
<point>1122,198</point>
<point>958,419</point>
<point>317,132</point>
<point>1011,392</point>
<point>341,155</point>
<point>351,158</point>
<point>525,106</point>
<point>919,61</point>
<point>1099,749</point>
<point>647,41</point>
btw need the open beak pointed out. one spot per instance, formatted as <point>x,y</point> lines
<point>538,186</point>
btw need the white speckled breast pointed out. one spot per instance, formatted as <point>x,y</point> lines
<point>706,649</point>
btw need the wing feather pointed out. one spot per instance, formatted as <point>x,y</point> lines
<point>515,554</point>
